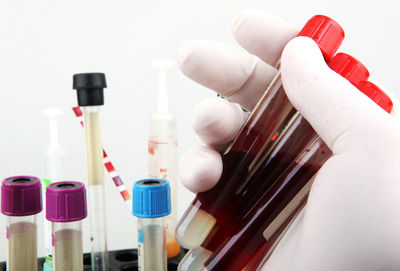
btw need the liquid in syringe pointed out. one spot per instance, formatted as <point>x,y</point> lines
<point>163,148</point>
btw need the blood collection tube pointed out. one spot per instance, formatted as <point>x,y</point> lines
<point>90,92</point>
<point>268,119</point>
<point>21,201</point>
<point>296,136</point>
<point>66,208</point>
<point>262,228</point>
<point>151,204</point>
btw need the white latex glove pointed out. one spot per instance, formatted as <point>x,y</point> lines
<point>352,218</point>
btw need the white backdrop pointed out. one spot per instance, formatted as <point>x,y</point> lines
<point>43,42</point>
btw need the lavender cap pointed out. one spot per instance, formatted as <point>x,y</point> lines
<point>66,202</point>
<point>21,196</point>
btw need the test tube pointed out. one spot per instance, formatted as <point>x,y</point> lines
<point>268,119</point>
<point>66,208</point>
<point>21,201</point>
<point>262,228</point>
<point>151,204</point>
<point>116,178</point>
<point>296,136</point>
<point>90,92</point>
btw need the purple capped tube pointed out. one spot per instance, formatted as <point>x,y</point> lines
<point>21,201</point>
<point>66,208</point>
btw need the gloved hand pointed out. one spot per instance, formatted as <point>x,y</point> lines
<point>352,218</point>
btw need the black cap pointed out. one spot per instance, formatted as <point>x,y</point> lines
<point>90,88</point>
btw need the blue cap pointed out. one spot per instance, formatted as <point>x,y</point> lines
<point>151,198</point>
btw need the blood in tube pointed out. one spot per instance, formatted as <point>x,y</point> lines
<point>261,228</point>
<point>269,117</point>
<point>298,133</point>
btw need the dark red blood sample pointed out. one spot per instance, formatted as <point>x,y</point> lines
<point>285,150</point>
<point>262,222</point>
<point>253,138</point>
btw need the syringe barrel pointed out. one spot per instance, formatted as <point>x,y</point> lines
<point>67,242</point>
<point>21,201</point>
<point>152,244</point>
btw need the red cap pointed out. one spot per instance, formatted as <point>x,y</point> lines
<point>327,33</point>
<point>349,67</point>
<point>376,94</point>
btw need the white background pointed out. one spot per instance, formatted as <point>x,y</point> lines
<point>44,42</point>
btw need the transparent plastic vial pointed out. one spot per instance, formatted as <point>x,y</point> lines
<point>151,204</point>
<point>21,201</point>
<point>90,92</point>
<point>66,208</point>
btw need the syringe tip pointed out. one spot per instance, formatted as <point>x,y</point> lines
<point>52,112</point>
<point>162,63</point>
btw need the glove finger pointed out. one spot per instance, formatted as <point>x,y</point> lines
<point>396,104</point>
<point>200,168</point>
<point>340,113</point>
<point>263,34</point>
<point>236,75</point>
<point>217,122</point>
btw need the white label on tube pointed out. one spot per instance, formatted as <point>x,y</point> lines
<point>140,251</point>
<point>287,211</point>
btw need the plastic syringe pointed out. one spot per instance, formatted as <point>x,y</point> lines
<point>66,208</point>
<point>90,92</point>
<point>21,202</point>
<point>54,170</point>
<point>119,184</point>
<point>163,148</point>
<point>151,204</point>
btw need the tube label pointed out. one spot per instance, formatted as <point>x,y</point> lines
<point>140,251</point>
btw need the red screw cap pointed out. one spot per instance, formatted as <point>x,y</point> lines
<point>349,67</point>
<point>376,94</point>
<point>327,33</point>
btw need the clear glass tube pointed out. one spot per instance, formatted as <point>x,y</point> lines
<point>266,122</point>
<point>95,188</point>
<point>22,243</point>
<point>163,163</point>
<point>68,251</point>
<point>152,244</point>
<point>273,213</point>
